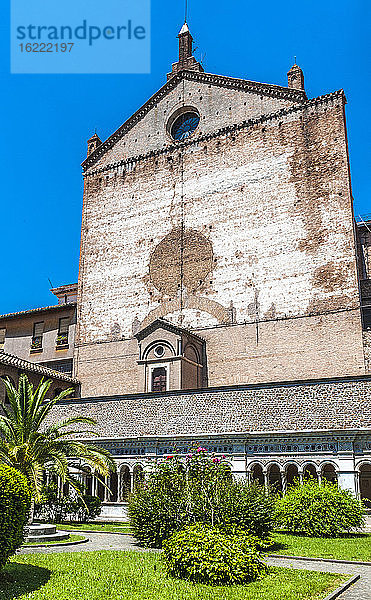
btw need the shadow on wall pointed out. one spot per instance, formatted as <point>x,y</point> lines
<point>17,579</point>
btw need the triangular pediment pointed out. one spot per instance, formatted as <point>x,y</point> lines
<point>158,324</point>
<point>221,101</point>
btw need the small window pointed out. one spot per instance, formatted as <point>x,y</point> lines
<point>159,351</point>
<point>366,318</point>
<point>13,384</point>
<point>62,337</point>
<point>37,337</point>
<point>159,379</point>
<point>2,338</point>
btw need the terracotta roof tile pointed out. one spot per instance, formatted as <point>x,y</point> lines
<point>37,310</point>
<point>19,363</point>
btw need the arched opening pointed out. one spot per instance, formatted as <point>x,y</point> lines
<point>191,352</point>
<point>274,478</point>
<point>365,484</point>
<point>257,475</point>
<point>88,481</point>
<point>113,486</point>
<point>125,483</point>
<point>292,474</point>
<point>138,476</point>
<point>53,478</point>
<point>310,472</point>
<point>329,473</point>
<point>100,490</point>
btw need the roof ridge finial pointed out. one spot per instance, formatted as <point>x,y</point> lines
<point>186,12</point>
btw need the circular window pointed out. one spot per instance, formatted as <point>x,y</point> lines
<point>184,126</point>
<point>159,351</point>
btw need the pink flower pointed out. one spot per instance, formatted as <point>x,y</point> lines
<point>200,449</point>
<point>216,460</point>
<point>189,455</point>
<point>223,455</point>
<point>169,457</point>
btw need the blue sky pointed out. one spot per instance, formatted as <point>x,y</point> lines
<point>46,119</point>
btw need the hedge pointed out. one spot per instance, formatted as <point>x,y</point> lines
<point>15,502</point>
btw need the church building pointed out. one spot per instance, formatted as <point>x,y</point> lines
<point>224,284</point>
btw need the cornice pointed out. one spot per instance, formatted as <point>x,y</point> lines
<point>265,89</point>
<point>236,389</point>
<point>339,94</point>
<point>163,324</point>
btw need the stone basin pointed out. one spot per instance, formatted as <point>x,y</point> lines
<point>43,532</point>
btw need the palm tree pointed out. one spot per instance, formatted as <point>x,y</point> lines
<point>32,444</point>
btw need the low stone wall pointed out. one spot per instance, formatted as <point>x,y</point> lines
<point>287,406</point>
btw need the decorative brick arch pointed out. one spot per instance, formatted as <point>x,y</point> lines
<point>218,311</point>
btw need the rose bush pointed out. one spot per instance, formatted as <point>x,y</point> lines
<point>199,489</point>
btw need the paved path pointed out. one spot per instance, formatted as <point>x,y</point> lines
<point>361,590</point>
<point>97,541</point>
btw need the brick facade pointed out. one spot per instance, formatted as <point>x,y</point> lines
<point>266,214</point>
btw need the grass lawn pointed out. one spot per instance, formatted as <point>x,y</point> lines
<point>140,576</point>
<point>351,547</point>
<point>72,538</point>
<point>110,527</point>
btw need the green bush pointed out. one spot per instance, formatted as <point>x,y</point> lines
<point>91,509</point>
<point>199,490</point>
<point>55,508</point>
<point>203,554</point>
<point>319,510</point>
<point>15,502</point>
<point>247,506</point>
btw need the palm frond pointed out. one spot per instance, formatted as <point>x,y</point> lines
<point>30,447</point>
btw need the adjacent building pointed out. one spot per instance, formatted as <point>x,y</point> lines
<point>40,342</point>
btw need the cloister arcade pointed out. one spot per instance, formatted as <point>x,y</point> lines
<point>114,493</point>
<point>117,486</point>
<point>281,476</point>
